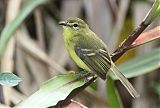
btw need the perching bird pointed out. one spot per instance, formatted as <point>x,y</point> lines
<point>90,52</point>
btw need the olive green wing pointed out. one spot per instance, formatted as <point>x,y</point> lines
<point>95,57</point>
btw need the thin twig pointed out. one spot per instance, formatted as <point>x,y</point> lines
<point>31,48</point>
<point>39,28</point>
<point>121,16</point>
<point>113,8</point>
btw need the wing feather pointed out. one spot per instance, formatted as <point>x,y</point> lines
<point>95,60</point>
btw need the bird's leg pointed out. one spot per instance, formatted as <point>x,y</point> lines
<point>82,73</point>
<point>86,75</point>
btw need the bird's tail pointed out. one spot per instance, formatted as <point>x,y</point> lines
<point>124,81</point>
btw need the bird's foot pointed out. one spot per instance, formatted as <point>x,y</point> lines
<point>85,75</point>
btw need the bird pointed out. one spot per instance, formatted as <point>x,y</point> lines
<point>90,52</point>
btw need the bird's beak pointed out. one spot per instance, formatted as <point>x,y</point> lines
<point>64,23</point>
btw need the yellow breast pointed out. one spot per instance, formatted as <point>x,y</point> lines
<point>69,44</point>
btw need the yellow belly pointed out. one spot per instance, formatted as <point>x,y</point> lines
<point>78,61</point>
<point>68,40</point>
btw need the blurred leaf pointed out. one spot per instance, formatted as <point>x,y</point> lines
<point>9,79</point>
<point>153,13</point>
<point>140,65</point>
<point>53,91</point>
<point>11,28</point>
<point>146,37</point>
<point>156,87</point>
<point>113,97</point>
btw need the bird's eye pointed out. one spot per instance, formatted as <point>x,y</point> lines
<point>75,25</point>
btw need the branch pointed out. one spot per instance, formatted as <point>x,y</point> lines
<point>127,42</point>
<point>151,15</point>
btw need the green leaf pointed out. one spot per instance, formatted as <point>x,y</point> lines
<point>113,97</point>
<point>153,13</point>
<point>140,65</point>
<point>9,79</point>
<point>53,91</point>
<point>11,28</point>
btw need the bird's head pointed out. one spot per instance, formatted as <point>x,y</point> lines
<point>74,25</point>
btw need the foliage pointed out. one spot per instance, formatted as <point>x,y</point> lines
<point>9,79</point>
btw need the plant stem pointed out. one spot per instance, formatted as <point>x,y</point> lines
<point>128,41</point>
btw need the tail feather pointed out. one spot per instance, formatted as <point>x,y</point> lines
<point>124,81</point>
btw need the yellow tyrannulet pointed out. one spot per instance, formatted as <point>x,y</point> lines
<point>90,52</point>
